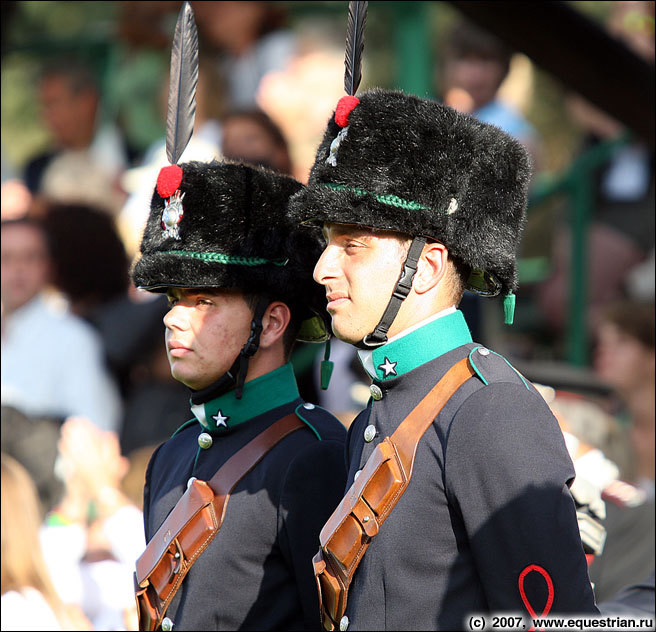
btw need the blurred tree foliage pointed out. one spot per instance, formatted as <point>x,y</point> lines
<point>131,78</point>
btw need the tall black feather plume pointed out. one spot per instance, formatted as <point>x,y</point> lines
<point>357,18</point>
<point>182,87</point>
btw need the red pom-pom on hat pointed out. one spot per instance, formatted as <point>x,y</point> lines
<point>168,180</point>
<point>344,107</point>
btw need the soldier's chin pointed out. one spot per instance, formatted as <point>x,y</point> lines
<point>179,374</point>
<point>345,334</point>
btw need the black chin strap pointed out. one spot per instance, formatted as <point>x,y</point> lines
<point>236,375</point>
<point>222,385</point>
<point>378,336</point>
<point>251,346</point>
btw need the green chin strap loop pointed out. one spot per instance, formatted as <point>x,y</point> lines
<point>509,308</point>
<point>326,367</point>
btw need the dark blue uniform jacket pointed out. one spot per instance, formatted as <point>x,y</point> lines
<point>488,498</point>
<point>257,573</point>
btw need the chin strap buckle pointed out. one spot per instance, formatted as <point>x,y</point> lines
<point>404,284</point>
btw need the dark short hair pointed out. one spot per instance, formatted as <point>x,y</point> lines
<point>466,40</point>
<point>294,326</point>
<point>78,75</point>
<point>89,257</point>
<point>633,318</point>
<point>264,122</point>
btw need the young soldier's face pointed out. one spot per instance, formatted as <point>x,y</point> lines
<point>205,330</point>
<point>359,270</point>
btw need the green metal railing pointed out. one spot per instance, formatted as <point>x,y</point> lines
<point>577,185</point>
<point>413,47</point>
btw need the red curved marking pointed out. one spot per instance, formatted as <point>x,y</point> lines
<point>529,569</point>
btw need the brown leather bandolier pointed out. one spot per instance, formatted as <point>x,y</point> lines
<point>192,525</point>
<point>384,478</point>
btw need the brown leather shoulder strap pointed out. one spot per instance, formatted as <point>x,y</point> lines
<point>242,462</point>
<point>373,495</point>
<point>407,435</point>
<point>221,484</point>
<point>404,442</point>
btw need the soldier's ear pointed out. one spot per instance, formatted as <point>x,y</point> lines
<point>431,267</point>
<point>274,323</point>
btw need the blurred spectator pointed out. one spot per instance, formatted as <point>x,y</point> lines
<point>16,198</point>
<point>133,482</point>
<point>87,156</point>
<point>140,64</point>
<point>590,430</point>
<point>144,24</point>
<point>301,97</point>
<point>96,287</point>
<point>591,436</point>
<point>624,359</point>
<point>154,402</point>
<point>32,441</point>
<point>251,136</point>
<point>29,599</point>
<point>475,65</point>
<point>250,40</point>
<point>98,290</point>
<point>52,362</point>
<point>94,536</point>
<point>628,554</point>
<point>89,262</point>
<point>620,236</point>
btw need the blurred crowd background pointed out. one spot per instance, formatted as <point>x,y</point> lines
<point>86,388</point>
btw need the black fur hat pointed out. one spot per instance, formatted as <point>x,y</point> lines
<point>394,161</point>
<point>234,233</point>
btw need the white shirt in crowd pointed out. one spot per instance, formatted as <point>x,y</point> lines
<point>27,610</point>
<point>103,589</point>
<point>53,365</point>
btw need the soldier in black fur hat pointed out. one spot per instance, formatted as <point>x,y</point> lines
<point>238,275</point>
<point>418,204</point>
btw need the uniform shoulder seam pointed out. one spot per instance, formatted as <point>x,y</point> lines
<point>480,374</point>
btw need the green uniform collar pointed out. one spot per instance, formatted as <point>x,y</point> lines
<point>259,396</point>
<point>421,345</point>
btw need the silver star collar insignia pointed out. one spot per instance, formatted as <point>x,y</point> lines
<point>388,367</point>
<point>220,419</point>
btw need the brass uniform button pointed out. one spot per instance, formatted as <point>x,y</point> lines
<point>376,392</point>
<point>205,440</point>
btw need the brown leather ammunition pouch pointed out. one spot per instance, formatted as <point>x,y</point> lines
<point>369,501</point>
<point>192,525</point>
